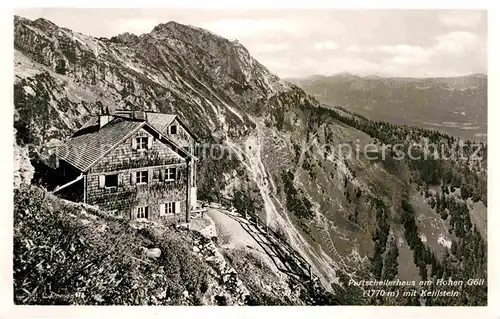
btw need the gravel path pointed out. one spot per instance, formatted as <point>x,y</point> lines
<point>233,231</point>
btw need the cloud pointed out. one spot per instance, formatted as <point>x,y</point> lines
<point>241,28</point>
<point>269,47</point>
<point>452,54</point>
<point>456,42</point>
<point>353,48</point>
<point>400,54</point>
<point>409,60</point>
<point>325,46</point>
<point>289,67</point>
<point>465,19</point>
<point>403,54</point>
<point>352,65</point>
<point>401,49</point>
<point>398,49</point>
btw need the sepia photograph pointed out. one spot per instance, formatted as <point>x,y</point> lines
<point>266,157</point>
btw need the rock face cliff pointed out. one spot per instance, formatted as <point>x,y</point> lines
<point>277,143</point>
<point>209,81</point>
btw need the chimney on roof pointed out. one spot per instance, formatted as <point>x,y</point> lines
<point>104,116</point>
<point>104,119</point>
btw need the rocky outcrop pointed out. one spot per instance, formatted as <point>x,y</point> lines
<point>23,170</point>
<point>228,287</point>
<point>125,38</point>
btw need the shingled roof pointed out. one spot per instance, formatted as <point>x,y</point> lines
<point>160,121</point>
<point>84,150</point>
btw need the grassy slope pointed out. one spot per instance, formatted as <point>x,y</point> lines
<point>64,255</point>
<point>71,253</point>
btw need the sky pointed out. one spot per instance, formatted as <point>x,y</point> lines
<point>300,43</point>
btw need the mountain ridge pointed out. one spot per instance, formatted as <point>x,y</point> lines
<point>377,76</point>
<point>236,71</point>
<point>454,105</point>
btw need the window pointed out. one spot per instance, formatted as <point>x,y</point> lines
<point>142,143</point>
<point>156,174</point>
<point>142,212</point>
<point>141,177</point>
<point>170,208</point>
<point>171,174</point>
<point>111,180</point>
<point>173,129</point>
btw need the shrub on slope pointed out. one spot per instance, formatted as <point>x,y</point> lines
<point>63,255</point>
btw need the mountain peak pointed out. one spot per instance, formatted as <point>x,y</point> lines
<point>174,26</point>
<point>126,38</point>
<point>166,26</point>
<point>45,24</point>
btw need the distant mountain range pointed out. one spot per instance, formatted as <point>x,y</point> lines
<point>455,105</point>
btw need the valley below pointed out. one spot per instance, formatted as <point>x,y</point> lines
<point>456,106</point>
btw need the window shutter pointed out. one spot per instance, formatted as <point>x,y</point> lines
<point>162,174</point>
<point>177,208</point>
<point>134,143</point>
<point>132,178</point>
<point>102,181</point>
<point>120,179</point>
<point>162,209</point>
<point>150,142</point>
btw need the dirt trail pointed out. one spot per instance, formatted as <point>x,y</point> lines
<point>235,231</point>
<point>250,155</point>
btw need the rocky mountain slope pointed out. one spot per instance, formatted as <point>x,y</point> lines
<point>457,106</point>
<point>277,146</point>
<point>174,68</point>
<point>69,253</point>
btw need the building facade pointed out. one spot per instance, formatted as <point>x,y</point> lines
<point>139,165</point>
